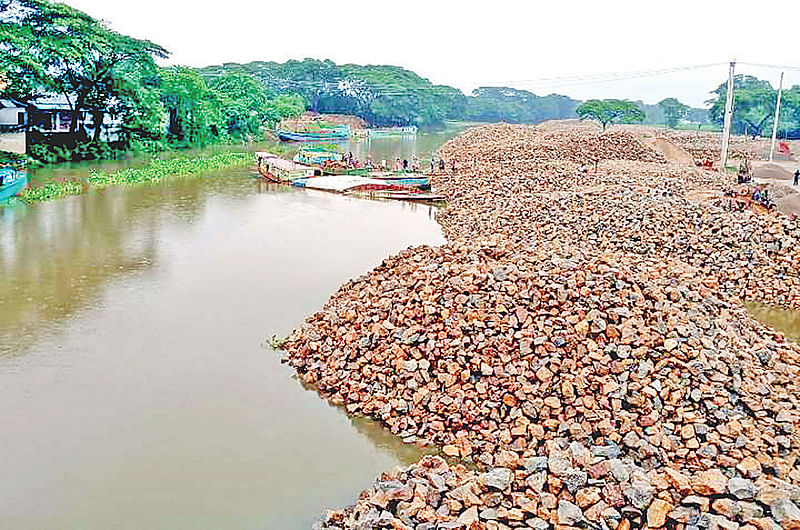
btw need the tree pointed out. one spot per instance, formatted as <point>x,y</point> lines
<point>610,111</point>
<point>284,106</point>
<point>194,110</point>
<point>753,104</point>
<point>244,101</point>
<point>674,111</point>
<point>51,47</point>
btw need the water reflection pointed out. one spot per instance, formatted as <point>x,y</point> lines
<point>786,321</point>
<point>144,398</point>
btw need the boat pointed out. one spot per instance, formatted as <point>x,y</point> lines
<point>399,195</point>
<point>316,155</point>
<point>13,183</point>
<point>386,132</point>
<point>366,187</point>
<point>277,169</point>
<point>316,133</point>
<point>402,178</point>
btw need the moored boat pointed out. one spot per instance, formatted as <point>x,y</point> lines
<point>317,155</point>
<point>366,187</point>
<point>13,183</point>
<point>277,169</point>
<point>318,133</point>
<point>386,132</point>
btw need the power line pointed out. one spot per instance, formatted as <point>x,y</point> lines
<point>775,66</point>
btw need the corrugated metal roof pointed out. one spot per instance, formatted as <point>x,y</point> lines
<point>53,102</point>
<point>10,104</point>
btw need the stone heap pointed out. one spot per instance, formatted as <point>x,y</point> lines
<point>707,145</point>
<point>580,342</point>
<point>599,387</point>
<point>634,205</point>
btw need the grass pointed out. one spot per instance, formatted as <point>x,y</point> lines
<point>152,173</point>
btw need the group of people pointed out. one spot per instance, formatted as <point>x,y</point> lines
<point>412,166</point>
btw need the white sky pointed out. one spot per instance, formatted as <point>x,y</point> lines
<point>469,44</point>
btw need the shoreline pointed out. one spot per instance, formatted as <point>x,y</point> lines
<point>575,336</point>
<point>152,172</point>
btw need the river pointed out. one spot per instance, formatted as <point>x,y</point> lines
<point>135,388</point>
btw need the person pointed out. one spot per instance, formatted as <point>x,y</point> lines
<point>433,163</point>
<point>441,165</point>
<point>584,170</point>
<point>797,177</point>
<point>453,166</point>
<point>405,164</point>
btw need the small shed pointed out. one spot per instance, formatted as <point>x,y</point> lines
<point>13,115</point>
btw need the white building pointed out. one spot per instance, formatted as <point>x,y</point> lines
<point>13,120</point>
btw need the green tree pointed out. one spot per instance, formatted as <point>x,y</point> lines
<point>674,111</point>
<point>610,111</point>
<point>284,106</point>
<point>244,103</point>
<point>753,104</point>
<point>194,110</point>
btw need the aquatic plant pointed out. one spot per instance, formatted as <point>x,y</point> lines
<point>155,171</point>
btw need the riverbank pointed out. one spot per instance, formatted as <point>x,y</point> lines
<point>153,172</point>
<point>581,338</point>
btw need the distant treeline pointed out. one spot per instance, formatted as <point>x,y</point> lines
<point>49,49</point>
<point>394,96</point>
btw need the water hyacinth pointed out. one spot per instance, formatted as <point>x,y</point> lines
<point>154,172</point>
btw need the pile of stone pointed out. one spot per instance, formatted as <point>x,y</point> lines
<point>640,206</point>
<point>580,342</point>
<point>599,386</point>
<point>612,493</point>
<point>529,143</point>
<point>708,145</point>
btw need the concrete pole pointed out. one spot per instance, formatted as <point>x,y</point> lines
<point>777,116</point>
<point>726,128</point>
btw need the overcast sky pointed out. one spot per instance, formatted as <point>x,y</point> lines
<point>470,44</point>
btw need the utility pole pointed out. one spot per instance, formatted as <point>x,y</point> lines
<point>726,128</point>
<point>777,116</point>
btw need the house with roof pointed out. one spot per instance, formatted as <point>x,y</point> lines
<point>52,114</point>
<point>13,124</point>
<point>45,119</point>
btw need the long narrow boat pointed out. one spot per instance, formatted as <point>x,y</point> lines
<point>366,187</point>
<point>13,183</point>
<point>277,169</point>
<point>388,132</point>
<point>317,134</point>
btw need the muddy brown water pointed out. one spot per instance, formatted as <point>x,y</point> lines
<point>134,388</point>
<point>786,321</point>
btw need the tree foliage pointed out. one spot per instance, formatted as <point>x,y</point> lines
<point>608,111</point>
<point>518,106</point>
<point>674,111</point>
<point>754,103</point>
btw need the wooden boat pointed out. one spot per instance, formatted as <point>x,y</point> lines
<point>366,187</point>
<point>316,134</point>
<point>277,169</point>
<point>316,155</point>
<point>13,183</point>
<point>387,132</point>
<point>405,179</point>
<point>399,195</point>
